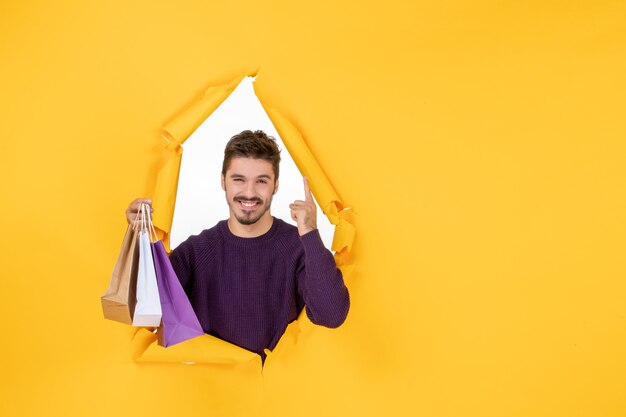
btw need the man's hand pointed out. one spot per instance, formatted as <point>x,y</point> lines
<point>305,212</point>
<point>133,209</point>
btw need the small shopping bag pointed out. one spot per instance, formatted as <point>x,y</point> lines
<point>179,321</point>
<point>118,301</point>
<point>148,307</point>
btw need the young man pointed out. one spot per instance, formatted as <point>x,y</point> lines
<point>249,276</point>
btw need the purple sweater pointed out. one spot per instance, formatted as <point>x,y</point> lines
<point>247,290</point>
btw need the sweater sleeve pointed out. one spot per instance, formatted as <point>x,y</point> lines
<point>321,284</point>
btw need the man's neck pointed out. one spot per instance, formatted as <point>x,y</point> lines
<point>262,226</point>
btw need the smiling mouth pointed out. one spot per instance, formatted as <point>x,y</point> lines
<point>248,204</point>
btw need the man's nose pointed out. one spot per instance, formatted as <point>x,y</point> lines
<point>250,189</point>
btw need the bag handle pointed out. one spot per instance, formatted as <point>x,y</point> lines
<point>150,226</point>
<point>144,219</point>
<point>140,218</point>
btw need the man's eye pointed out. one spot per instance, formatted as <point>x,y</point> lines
<point>239,179</point>
<point>263,181</point>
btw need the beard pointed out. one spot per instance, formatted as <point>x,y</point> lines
<point>248,217</point>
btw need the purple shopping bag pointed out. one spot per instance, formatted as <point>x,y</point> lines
<point>179,321</point>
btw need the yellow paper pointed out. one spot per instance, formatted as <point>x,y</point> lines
<point>164,198</point>
<point>206,349</point>
<point>482,142</point>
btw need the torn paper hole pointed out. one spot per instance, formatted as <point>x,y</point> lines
<point>180,132</point>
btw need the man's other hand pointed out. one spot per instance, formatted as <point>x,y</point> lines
<point>133,209</point>
<point>304,213</point>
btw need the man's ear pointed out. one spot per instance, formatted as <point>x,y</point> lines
<point>223,185</point>
<point>275,187</point>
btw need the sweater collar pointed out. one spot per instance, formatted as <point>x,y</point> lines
<point>248,241</point>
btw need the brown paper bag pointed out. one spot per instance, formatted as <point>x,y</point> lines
<point>118,302</point>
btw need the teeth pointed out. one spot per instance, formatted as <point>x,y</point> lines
<point>248,204</point>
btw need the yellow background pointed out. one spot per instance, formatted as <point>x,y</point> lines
<point>481,143</point>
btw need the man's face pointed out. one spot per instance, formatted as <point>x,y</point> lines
<point>249,185</point>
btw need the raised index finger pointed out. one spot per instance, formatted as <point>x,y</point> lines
<point>307,191</point>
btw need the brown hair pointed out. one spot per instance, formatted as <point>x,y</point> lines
<point>251,144</point>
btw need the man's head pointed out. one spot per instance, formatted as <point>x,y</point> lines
<point>256,145</point>
<point>250,175</point>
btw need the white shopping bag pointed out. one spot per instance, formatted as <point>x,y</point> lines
<point>148,307</point>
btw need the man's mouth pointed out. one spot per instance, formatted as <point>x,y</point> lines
<point>248,204</point>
